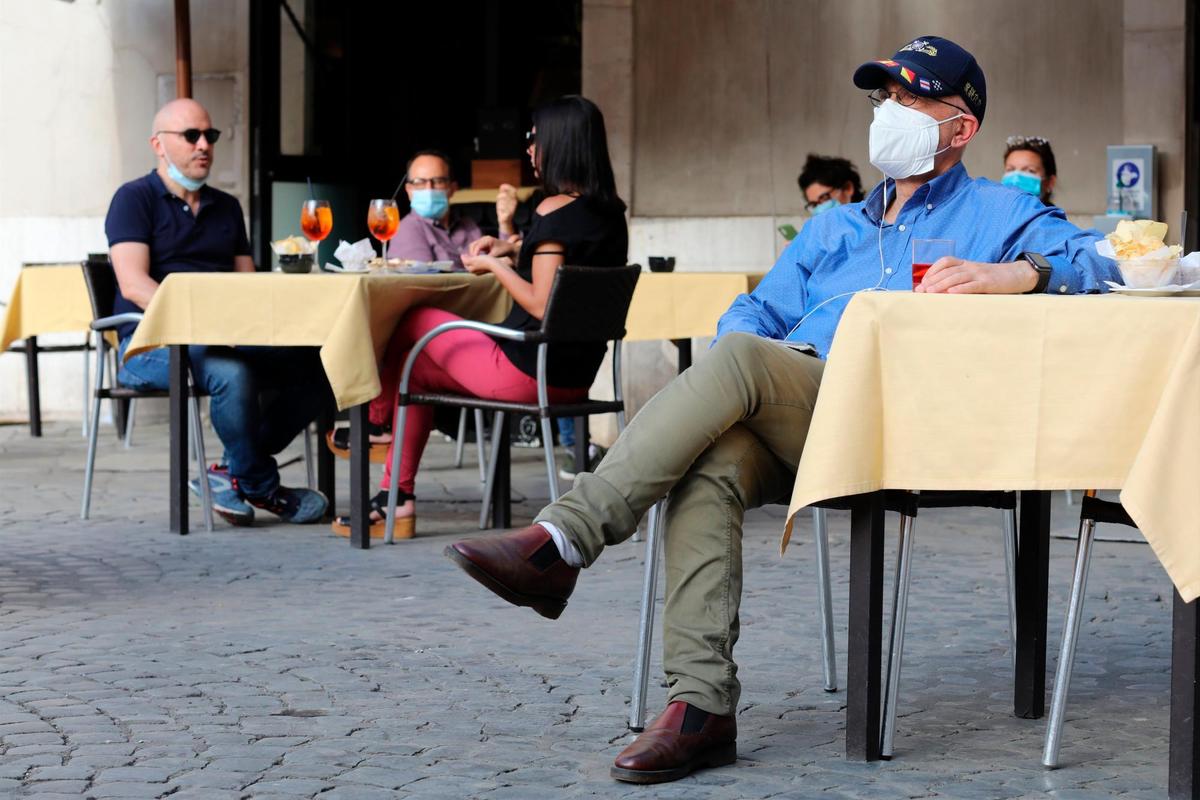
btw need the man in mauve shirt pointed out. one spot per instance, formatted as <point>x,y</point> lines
<point>432,232</point>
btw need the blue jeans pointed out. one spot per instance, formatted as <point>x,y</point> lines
<point>566,431</point>
<point>260,399</point>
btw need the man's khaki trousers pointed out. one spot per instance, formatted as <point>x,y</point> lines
<point>724,436</point>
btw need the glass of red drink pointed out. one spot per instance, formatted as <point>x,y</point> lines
<point>925,253</point>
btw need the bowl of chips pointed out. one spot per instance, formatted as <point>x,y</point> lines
<point>1142,257</point>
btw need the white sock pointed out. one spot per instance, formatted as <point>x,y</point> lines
<point>566,549</point>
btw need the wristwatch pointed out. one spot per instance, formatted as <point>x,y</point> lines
<point>1039,263</point>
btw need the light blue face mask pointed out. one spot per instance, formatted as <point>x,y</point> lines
<point>1025,181</point>
<point>430,203</point>
<point>821,208</point>
<point>191,184</point>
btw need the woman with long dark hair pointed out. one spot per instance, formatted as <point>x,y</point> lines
<point>581,222</point>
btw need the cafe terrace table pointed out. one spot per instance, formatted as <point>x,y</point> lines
<point>47,298</point>
<point>351,317</point>
<point>964,392</point>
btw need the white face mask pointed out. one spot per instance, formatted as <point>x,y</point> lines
<point>903,141</point>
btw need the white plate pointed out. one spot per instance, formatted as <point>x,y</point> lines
<point>1172,290</point>
<point>336,268</point>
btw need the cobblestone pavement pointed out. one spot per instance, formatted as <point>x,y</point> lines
<point>277,662</point>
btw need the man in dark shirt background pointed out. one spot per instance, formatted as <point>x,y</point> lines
<point>171,221</point>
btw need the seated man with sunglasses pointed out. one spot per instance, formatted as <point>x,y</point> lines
<point>433,231</point>
<point>171,221</point>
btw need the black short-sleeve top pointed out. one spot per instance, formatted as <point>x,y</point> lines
<point>593,234</point>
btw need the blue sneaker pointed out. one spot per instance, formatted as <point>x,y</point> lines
<point>226,499</point>
<point>299,506</point>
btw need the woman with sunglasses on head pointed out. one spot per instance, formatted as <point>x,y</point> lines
<point>582,223</point>
<point>1029,166</point>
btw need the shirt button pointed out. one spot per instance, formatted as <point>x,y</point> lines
<point>901,227</point>
<point>929,207</point>
<point>888,270</point>
<point>1062,289</point>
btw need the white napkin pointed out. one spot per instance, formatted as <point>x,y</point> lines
<point>354,257</point>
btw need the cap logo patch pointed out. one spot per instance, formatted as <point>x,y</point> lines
<point>924,84</point>
<point>887,63</point>
<point>970,93</point>
<point>907,74</point>
<point>937,85</point>
<point>920,46</point>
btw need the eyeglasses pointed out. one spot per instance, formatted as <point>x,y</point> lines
<point>192,135</point>
<point>904,98</point>
<point>824,198</point>
<point>1017,141</point>
<point>425,183</point>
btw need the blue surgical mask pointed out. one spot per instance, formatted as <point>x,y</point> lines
<point>191,184</point>
<point>821,208</point>
<point>430,203</point>
<point>1025,181</point>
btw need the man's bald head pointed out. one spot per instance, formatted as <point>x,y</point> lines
<point>171,147</point>
<point>181,114</point>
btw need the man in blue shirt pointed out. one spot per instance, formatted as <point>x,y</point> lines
<point>727,435</point>
<point>171,221</point>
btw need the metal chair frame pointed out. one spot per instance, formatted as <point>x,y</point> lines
<point>546,411</point>
<point>641,668</point>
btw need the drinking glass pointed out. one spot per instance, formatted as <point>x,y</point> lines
<point>383,218</point>
<point>925,253</point>
<point>316,221</point>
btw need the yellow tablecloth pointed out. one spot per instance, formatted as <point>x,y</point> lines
<point>1024,392</point>
<point>680,305</point>
<point>350,317</point>
<point>47,298</point>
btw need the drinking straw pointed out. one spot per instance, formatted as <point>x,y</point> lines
<point>311,195</point>
<point>395,193</point>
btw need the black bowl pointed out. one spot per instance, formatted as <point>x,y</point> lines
<point>662,263</point>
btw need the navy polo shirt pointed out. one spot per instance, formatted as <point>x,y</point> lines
<point>145,211</point>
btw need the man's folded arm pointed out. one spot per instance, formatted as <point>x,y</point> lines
<point>776,304</point>
<point>1075,265</point>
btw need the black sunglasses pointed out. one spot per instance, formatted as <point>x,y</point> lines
<point>192,135</point>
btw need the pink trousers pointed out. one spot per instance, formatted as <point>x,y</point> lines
<point>459,362</point>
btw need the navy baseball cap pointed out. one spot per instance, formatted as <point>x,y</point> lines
<point>930,66</point>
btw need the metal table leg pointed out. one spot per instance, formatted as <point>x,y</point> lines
<point>35,391</point>
<point>1183,774</point>
<point>502,482</point>
<point>1033,551</point>
<point>177,376</point>
<point>360,477</point>
<point>326,473</point>
<point>684,346</point>
<point>864,645</point>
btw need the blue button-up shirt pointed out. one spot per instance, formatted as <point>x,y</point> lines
<point>845,251</point>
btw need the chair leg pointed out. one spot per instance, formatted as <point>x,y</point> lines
<point>461,438</point>
<point>497,428</point>
<point>825,599</point>
<point>480,448</point>
<point>641,664</point>
<point>394,482</point>
<point>197,428</point>
<point>1070,497</point>
<point>87,389</point>
<point>130,416</point>
<point>891,687</point>
<point>548,449</point>
<point>93,432</point>
<point>310,461</point>
<point>1010,573</point>
<point>89,469</point>
<point>1070,637</point>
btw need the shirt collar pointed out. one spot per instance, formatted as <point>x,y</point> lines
<point>161,188</point>
<point>936,191</point>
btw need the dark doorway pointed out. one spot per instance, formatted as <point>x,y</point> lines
<point>343,93</point>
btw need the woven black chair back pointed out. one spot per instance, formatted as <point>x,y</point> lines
<point>589,304</point>
<point>101,284</point>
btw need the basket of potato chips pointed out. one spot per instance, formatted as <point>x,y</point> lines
<point>1142,257</point>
